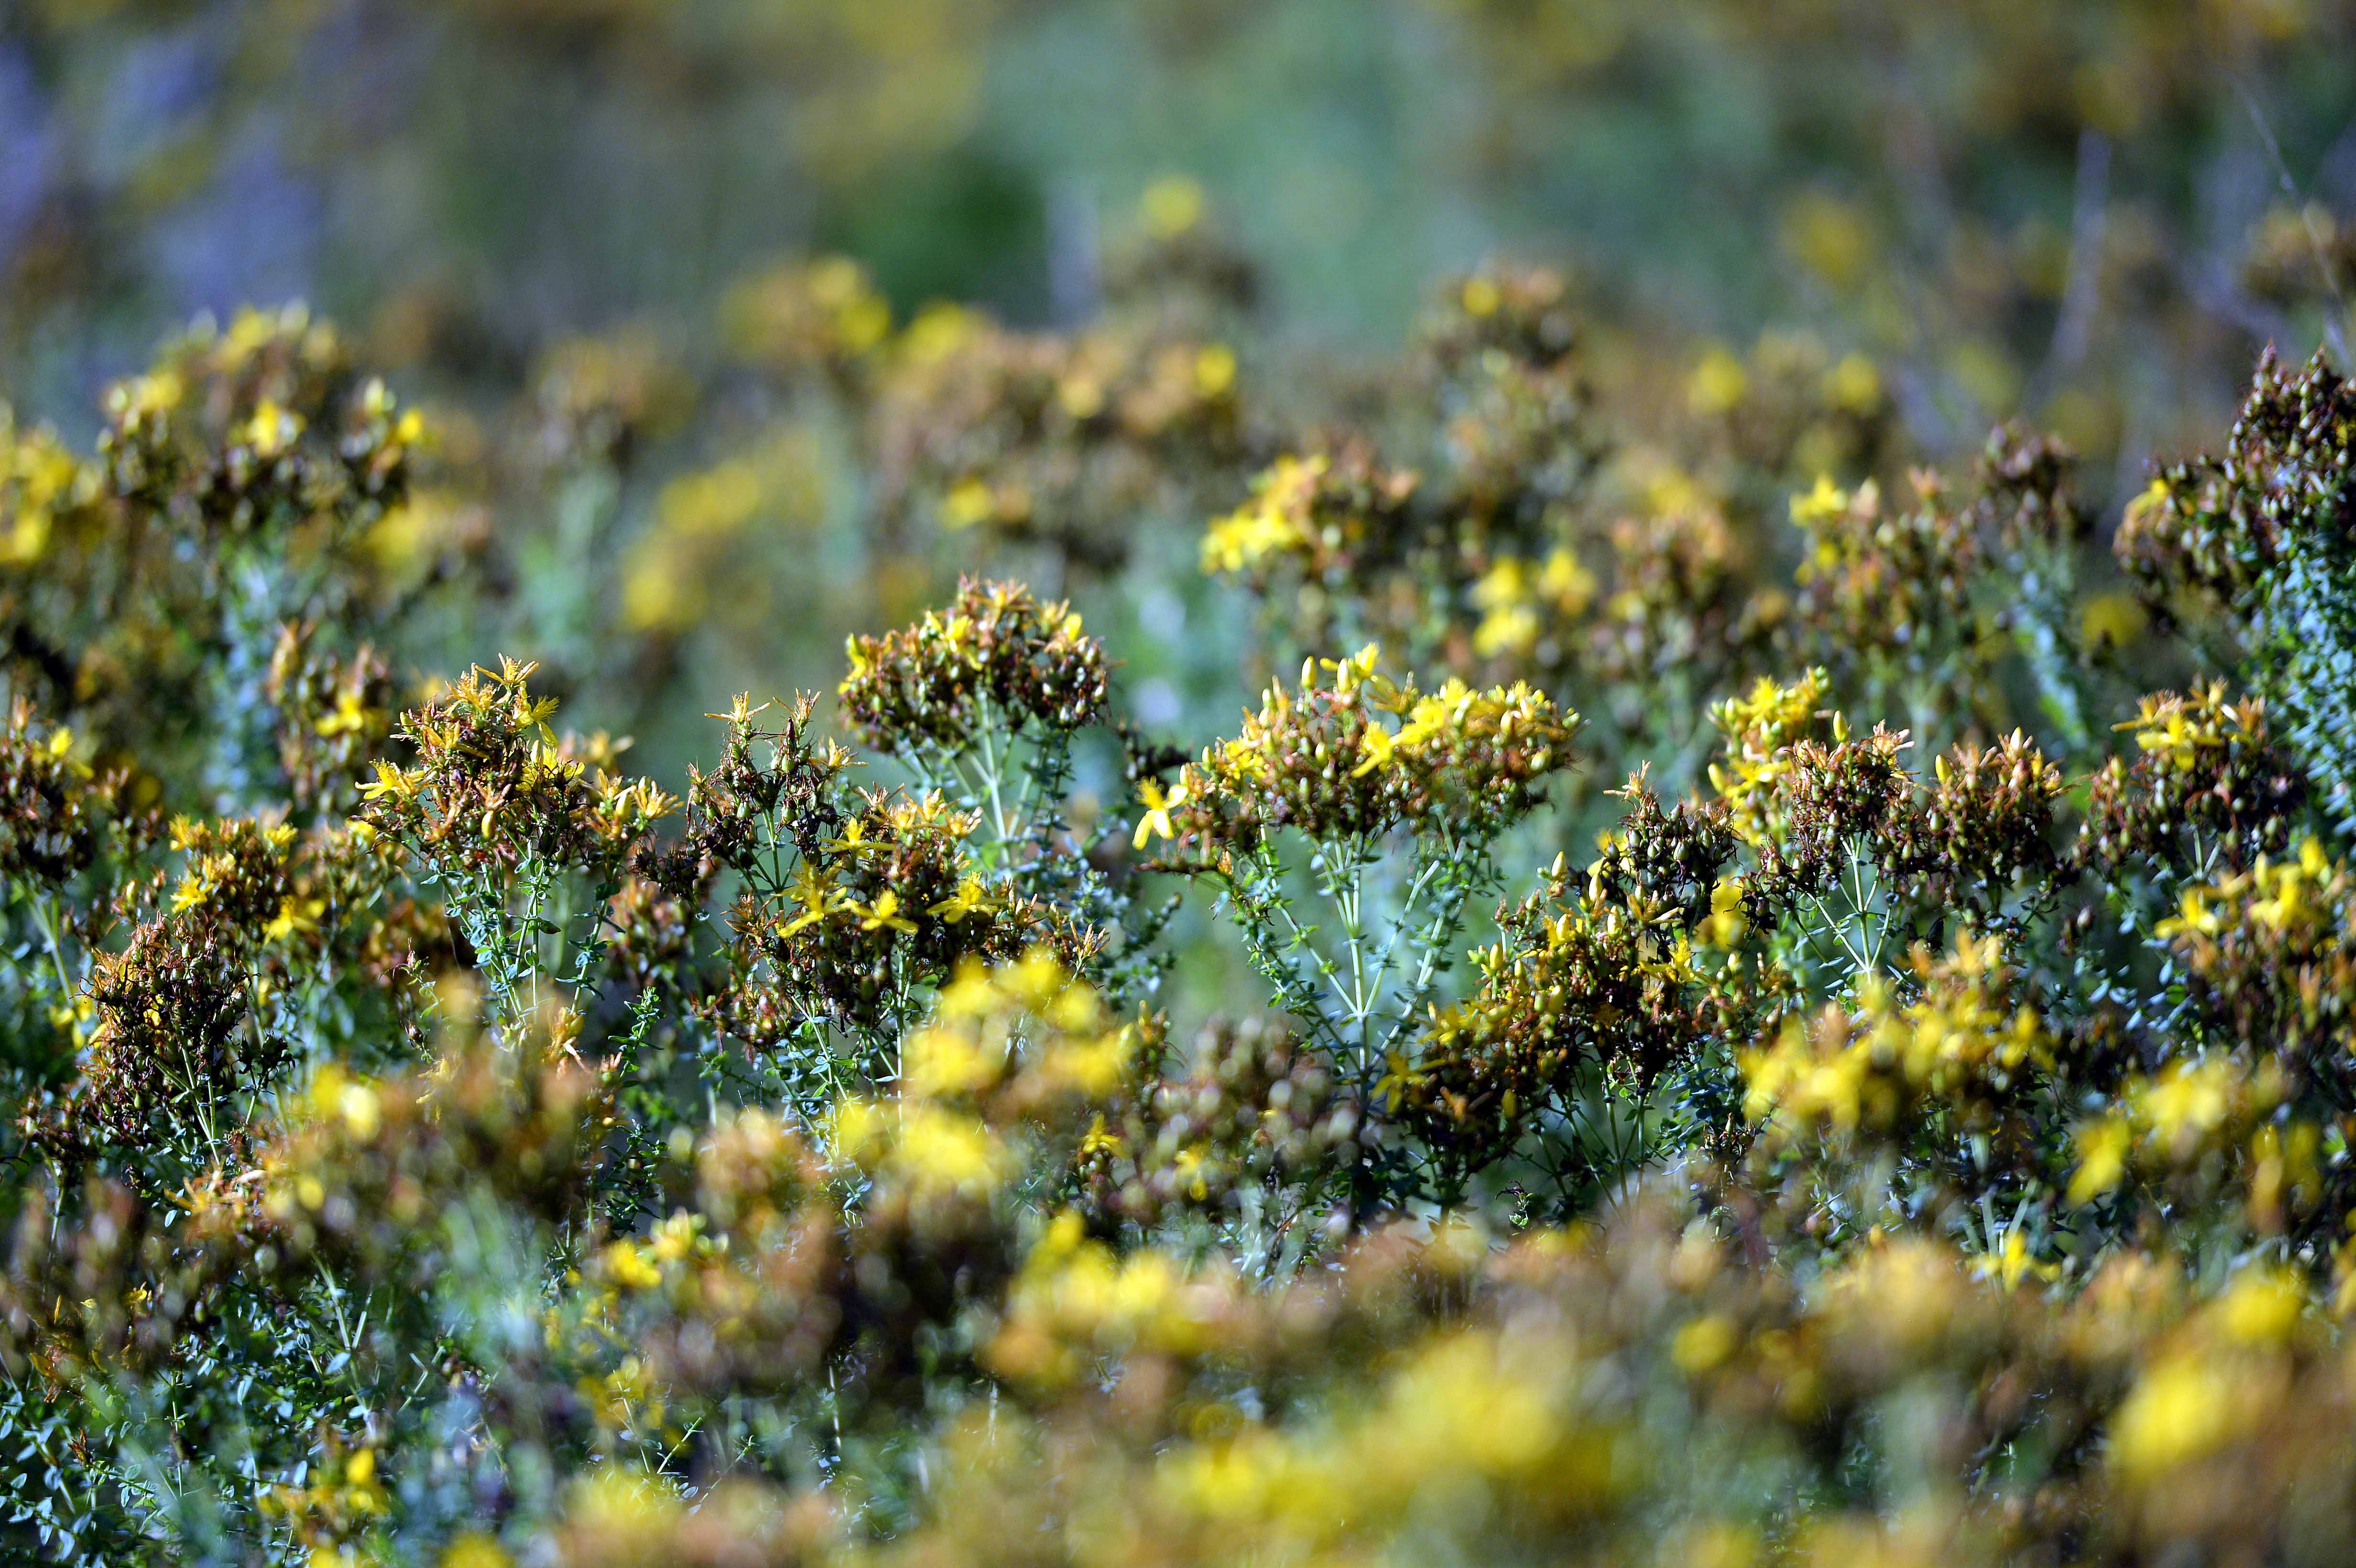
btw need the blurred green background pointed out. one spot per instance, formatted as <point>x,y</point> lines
<point>2092,212</point>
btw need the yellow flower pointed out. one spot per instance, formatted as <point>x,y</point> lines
<point>350,717</point>
<point>2179,1410</point>
<point>1821,504</point>
<point>1359,670</point>
<point>2117,619</point>
<point>1399,1078</point>
<point>1158,808</point>
<point>627,1268</point>
<point>362,1111</point>
<point>884,914</point>
<point>28,538</point>
<point>713,503</point>
<point>1718,383</point>
<point>296,917</point>
<point>1854,385</point>
<point>1381,747</point>
<point>854,840</point>
<point>817,896</point>
<point>1505,592</point>
<point>1727,922</point>
<point>389,780</point>
<point>272,430</point>
<point>2262,1306</point>
<point>967,899</point>
<point>1509,628</point>
<point>1703,1343</point>
<point>2144,511</point>
<point>1241,759</point>
<point>1214,370</point>
<point>943,1063</point>
<point>2102,1158</point>
<point>1171,205</point>
<point>473,1550</point>
<point>1081,396</point>
<point>1565,581</point>
<point>193,891</point>
<point>2192,915</point>
<point>141,395</point>
<point>1275,521</point>
<point>967,503</point>
<point>2188,1101</point>
<point>2012,1263</point>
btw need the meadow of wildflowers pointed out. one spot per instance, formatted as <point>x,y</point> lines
<point>1558,942</point>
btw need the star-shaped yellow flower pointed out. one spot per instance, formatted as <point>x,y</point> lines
<point>1158,808</point>
<point>966,900</point>
<point>884,914</point>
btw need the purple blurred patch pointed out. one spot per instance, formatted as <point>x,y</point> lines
<point>28,148</point>
<point>252,236</point>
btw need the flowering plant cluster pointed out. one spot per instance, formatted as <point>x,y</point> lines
<point>1908,1118</point>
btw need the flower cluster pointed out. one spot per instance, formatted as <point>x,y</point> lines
<point>2189,1113</point>
<point>1327,760</point>
<point>1880,577</point>
<point>1052,438</point>
<point>1583,989</point>
<point>889,1221</point>
<point>2207,775</point>
<point>1342,541</point>
<point>1917,1134</point>
<point>2220,525</point>
<point>1317,515</point>
<point>1917,1129</point>
<point>52,809</point>
<point>173,1049</point>
<point>492,787</point>
<point>999,658</point>
<point>823,315</point>
<point>736,1290</point>
<point>334,715</point>
<point>157,569</point>
<point>1678,610</point>
<point>44,490</point>
<point>895,896</point>
<point>736,814</point>
<point>596,399</point>
<point>1988,829</point>
<point>1251,1106</point>
<point>1792,405</point>
<point>1967,1046</point>
<point>260,429</point>
<point>2270,956</point>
